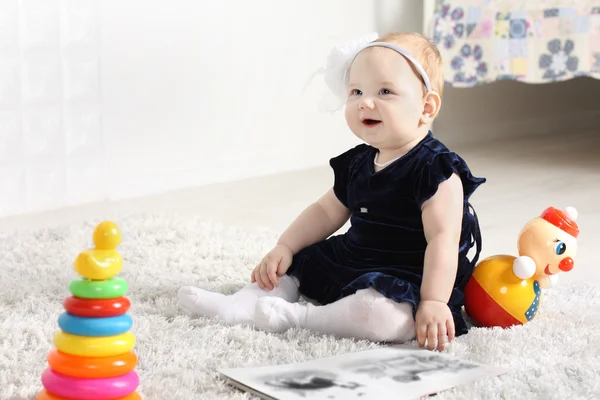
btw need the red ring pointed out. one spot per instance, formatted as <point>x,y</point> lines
<point>96,307</point>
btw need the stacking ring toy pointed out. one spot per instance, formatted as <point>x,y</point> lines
<point>90,389</point>
<point>46,395</point>
<point>103,346</point>
<point>83,326</point>
<point>98,264</point>
<point>105,289</point>
<point>91,367</point>
<point>97,308</point>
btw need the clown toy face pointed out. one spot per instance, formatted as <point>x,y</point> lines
<point>551,241</point>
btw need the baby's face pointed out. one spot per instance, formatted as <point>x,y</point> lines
<point>385,98</point>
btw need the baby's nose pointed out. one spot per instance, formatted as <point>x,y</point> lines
<point>566,264</point>
<point>367,103</point>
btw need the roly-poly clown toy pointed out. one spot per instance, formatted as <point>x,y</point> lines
<point>505,290</point>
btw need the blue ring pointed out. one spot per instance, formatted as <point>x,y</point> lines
<point>83,326</point>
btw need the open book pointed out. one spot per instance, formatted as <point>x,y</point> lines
<point>399,372</point>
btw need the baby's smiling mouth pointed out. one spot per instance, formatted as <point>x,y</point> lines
<point>547,270</point>
<point>370,122</point>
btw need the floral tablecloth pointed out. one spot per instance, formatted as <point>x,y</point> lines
<point>534,41</point>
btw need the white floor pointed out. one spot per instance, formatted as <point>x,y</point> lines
<point>524,177</point>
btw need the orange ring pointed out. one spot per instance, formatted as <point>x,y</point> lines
<point>45,395</point>
<point>91,367</point>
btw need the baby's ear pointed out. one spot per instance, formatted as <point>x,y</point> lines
<point>431,107</point>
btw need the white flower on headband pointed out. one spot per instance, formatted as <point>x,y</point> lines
<point>339,61</point>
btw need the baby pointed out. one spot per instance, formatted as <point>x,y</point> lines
<point>400,270</point>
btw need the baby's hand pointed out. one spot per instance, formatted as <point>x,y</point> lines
<point>433,322</point>
<point>274,264</point>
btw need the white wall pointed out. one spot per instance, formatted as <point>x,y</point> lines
<point>50,105</point>
<point>214,88</point>
<point>108,99</point>
<point>399,15</point>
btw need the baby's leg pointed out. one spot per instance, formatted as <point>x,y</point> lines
<point>366,314</point>
<point>237,308</point>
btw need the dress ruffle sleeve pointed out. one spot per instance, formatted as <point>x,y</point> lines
<point>438,170</point>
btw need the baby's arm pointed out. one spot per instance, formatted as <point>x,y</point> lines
<point>316,223</point>
<point>442,218</point>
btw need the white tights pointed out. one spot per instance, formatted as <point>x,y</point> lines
<point>366,314</point>
<point>237,308</point>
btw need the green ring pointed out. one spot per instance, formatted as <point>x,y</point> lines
<point>107,289</point>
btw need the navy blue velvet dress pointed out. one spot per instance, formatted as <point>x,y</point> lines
<point>385,246</point>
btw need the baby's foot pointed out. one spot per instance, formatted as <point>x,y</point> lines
<point>196,301</point>
<point>274,314</point>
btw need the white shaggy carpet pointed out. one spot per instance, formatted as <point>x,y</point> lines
<point>555,357</point>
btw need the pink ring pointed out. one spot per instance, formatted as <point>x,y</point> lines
<point>91,389</point>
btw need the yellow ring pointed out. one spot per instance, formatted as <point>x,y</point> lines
<point>98,346</point>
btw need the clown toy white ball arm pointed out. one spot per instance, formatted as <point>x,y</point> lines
<point>524,267</point>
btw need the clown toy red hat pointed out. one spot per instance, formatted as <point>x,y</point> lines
<point>564,220</point>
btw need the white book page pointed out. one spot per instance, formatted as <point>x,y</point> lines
<point>402,371</point>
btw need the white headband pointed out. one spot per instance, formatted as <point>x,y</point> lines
<point>341,57</point>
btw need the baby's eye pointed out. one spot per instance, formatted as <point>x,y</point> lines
<point>560,248</point>
<point>385,91</point>
<point>356,92</point>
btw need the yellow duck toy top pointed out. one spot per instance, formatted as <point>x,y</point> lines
<point>103,261</point>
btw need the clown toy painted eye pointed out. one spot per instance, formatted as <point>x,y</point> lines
<point>560,247</point>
